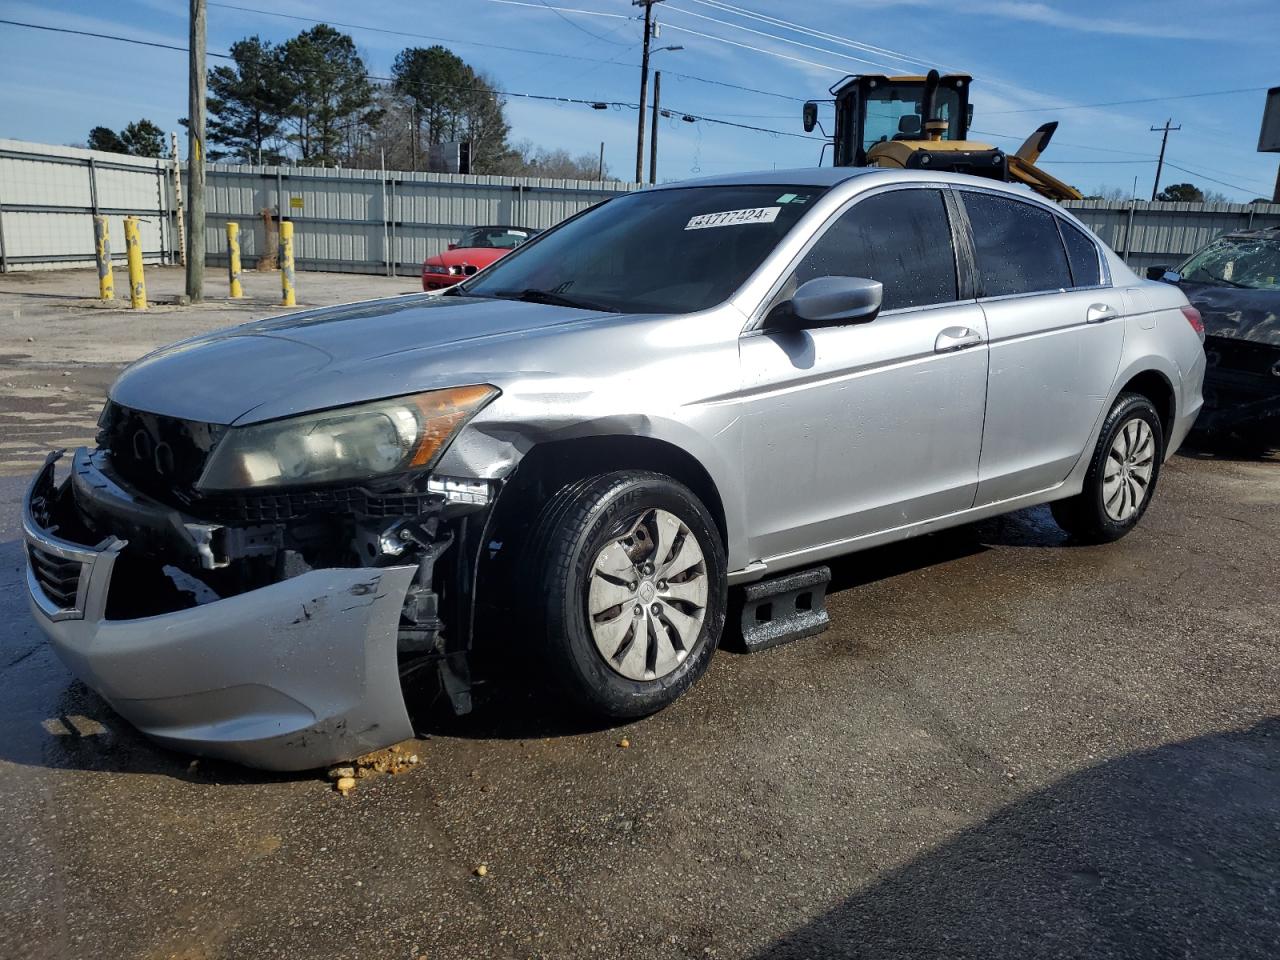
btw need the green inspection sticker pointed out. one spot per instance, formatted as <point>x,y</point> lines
<point>785,198</point>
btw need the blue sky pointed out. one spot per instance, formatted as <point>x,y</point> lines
<point>1032,62</point>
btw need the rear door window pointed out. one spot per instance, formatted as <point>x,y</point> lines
<point>1017,246</point>
<point>901,238</point>
<point>1082,255</point>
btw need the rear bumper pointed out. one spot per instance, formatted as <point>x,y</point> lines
<point>285,677</point>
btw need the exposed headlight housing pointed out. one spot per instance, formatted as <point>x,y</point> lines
<point>347,443</point>
<point>436,268</point>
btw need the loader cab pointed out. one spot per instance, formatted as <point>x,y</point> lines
<point>872,108</point>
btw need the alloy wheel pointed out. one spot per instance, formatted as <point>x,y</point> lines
<point>1130,464</point>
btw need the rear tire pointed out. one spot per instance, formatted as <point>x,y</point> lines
<point>1122,474</point>
<point>623,631</point>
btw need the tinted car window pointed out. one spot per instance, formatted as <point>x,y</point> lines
<point>1082,255</point>
<point>901,238</point>
<point>1018,247</point>
<point>673,250</point>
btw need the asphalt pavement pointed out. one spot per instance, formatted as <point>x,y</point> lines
<point>1007,746</point>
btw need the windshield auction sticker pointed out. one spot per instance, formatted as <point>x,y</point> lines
<point>733,218</point>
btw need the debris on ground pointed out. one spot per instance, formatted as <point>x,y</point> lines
<point>624,743</point>
<point>482,871</point>
<point>394,759</point>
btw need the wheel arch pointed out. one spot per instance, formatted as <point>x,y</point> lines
<point>549,465</point>
<point>1156,387</point>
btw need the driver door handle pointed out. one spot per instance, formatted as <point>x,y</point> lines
<point>956,338</point>
<point>1098,312</point>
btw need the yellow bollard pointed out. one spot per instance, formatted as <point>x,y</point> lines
<point>133,248</point>
<point>233,259</point>
<point>286,264</point>
<point>102,251</point>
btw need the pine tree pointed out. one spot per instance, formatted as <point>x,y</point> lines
<point>248,103</point>
<point>329,91</point>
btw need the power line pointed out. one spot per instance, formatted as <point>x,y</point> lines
<point>577,26</point>
<point>747,46</point>
<point>774,36</point>
<point>1205,176</point>
<point>105,36</point>
<point>577,10</point>
<point>434,38</point>
<point>1061,143</point>
<point>811,32</point>
<point>1119,103</point>
<point>735,86</point>
<point>547,98</point>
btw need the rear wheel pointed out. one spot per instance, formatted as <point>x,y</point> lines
<point>1122,474</point>
<point>628,598</point>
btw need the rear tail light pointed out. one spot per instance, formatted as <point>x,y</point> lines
<point>1193,318</point>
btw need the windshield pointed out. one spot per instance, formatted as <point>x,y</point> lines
<point>501,238</point>
<point>894,111</point>
<point>1236,262</point>
<point>656,251</point>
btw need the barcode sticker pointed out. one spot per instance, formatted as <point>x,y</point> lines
<point>733,218</point>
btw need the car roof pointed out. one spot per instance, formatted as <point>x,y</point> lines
<point>503,226</point>
<point>833,176</point>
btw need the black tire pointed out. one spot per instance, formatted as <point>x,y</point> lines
<point>571,530</point>
<point>1085,516</point>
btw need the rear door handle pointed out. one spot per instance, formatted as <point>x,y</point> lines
<point>956,338</point>
<point>1098,312</point>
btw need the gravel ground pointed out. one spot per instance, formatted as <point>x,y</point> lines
<point>1007,746</point>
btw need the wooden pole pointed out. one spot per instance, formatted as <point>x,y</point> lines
<point>195,153</point>
<point>177,199</point>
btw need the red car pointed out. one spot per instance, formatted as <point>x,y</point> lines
<point>477,248</point>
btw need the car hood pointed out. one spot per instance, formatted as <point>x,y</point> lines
<point>1236,313</point>
<point>222,377</point>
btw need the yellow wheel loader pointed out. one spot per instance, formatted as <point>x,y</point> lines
<point>922,123</point>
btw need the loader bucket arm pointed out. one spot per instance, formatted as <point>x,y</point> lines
<point>1035,144</point>
<point>1039,180</point>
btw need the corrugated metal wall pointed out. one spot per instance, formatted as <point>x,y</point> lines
<point>1164,234</point>
<point>363,221</point>
<point>359,221</point>
<point>368,221</point>
<point>49,194</point>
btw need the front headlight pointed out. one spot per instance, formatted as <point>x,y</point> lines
<point>349,443</point>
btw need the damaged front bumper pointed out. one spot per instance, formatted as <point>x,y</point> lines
<point>286,676</point>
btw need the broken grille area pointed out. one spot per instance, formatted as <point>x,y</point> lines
<point>162,457</point>
<point>58,577</point>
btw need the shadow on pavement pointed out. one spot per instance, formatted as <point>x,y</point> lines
<point>1171,852</point>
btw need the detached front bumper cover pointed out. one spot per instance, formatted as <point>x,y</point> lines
<point>289,676</point>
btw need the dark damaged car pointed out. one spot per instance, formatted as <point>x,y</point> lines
<point>1235,284</point>
<point>288,529</point>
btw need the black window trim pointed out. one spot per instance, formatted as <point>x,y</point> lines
<point>964,282</point>
<point>1104,269</point>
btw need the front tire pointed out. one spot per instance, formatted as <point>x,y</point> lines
<point>1122,475</point>
<point>628,591</point>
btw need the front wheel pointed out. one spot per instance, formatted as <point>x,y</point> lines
<point>1122,474</point>
<point>628,591</point>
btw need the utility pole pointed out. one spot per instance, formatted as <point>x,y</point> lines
<point>653,136</point>
<point>601,177</point>
<point>644,83</point>
<point>195,155</point>
<point>1164,141</point>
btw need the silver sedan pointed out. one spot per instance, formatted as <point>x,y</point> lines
<point>576,453</point>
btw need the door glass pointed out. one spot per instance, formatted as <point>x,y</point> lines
<point>1082,254</point>
<point>901,238</point>
<point>1018,247</point>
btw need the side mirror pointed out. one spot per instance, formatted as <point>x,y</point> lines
<point>810,116</point>
<point>453,245</point>
<point>833,301</point>
<point>1163,273</point>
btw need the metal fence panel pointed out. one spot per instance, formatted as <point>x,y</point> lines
<point>373,221</point>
